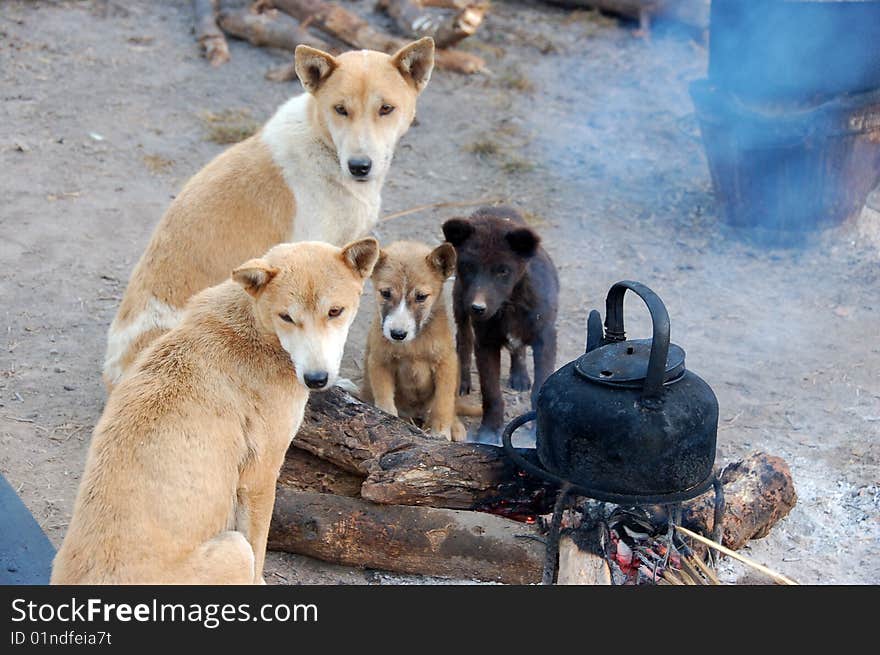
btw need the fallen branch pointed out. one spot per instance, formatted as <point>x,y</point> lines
<point>270,29</point>
<point>777,577</point>
<point>427,541</point>
<point>441,205</point>
<point>208,35</point>
<point>447,29</point>
<point>356,32</point>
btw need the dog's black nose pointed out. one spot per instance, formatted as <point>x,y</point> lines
<point>478,309</point>
<point>315,379</point>
<point>398,335</point>
<point>360,166</point>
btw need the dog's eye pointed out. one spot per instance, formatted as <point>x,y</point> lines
<point>386,294</point>
<point>340,109</point>
<point>384,110</point>
<point>286,318</point>
<point>502,271</point>
<point>421,297</point>
<point>335,311</point>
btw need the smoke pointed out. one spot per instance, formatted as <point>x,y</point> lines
<point>790,113</point>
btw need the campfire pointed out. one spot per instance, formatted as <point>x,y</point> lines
<point>363,488</point>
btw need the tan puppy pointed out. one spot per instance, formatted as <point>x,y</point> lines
<point>180,478</point>
<point>410,366</point>
<point>313,172</point>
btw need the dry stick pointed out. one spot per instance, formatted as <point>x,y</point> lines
<point>707,571</point>
<point>671,578</point>
<point>208,34</point>
<point>778,577</point>
<point>441,205</point>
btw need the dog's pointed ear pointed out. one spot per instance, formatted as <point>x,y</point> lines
<point>361,256</point>
<point>254,275</point>
<point>523,241</point>
<point>380,262</point>
<point>442,258</point>
<point>312,66</point>
<point>457,230</point>
<point>415,61</point>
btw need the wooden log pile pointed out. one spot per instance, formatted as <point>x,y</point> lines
<point>363,488</point>
<point>285,24</point>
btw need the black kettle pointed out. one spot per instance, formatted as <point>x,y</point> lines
<point>626,422</point>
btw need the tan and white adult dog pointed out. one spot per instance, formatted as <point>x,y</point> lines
<point>313,172</point>
<point>180,477</point>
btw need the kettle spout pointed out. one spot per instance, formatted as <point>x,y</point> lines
<point>594,330</point>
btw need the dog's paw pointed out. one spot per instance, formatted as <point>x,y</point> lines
<point>464,388</point>
<point>347,385</point>
<point>519,381</point>
<point>441,431</point>
<point>488,436</point>
<point>459,432</point>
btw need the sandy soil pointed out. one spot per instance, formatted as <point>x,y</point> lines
<point>584,126</point>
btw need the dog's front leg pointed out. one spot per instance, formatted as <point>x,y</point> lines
<point>258,496</point>
<point>382,384</point>
<point>489,367</point>
<point>443,406</point>
<point>464,346</point>
<point>544,355</point>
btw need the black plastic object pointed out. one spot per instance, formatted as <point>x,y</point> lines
<point>25,551</point>
<point>644,433</point>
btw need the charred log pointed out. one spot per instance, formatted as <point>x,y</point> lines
<point>302,471</point>
<point>758,492</point>
<point>405,466</point>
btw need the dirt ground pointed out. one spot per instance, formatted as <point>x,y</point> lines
<point>105,112</point>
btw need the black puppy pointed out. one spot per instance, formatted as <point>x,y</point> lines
<point>505,295</point>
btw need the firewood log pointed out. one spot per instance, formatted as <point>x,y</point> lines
<point>758,492</point>
<point>427,541</point>
<point>355,31</point>
<point>447,29</point>
<point>270,29</point>
<point>303,471</point>
<point>580,565</point>
<point>208,35</point>
<point>405,466</point>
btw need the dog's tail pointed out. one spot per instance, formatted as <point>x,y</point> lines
<point>463,408</point>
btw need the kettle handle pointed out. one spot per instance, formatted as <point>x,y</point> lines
<point>614,331</point>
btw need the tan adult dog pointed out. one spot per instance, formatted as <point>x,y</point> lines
<point>180,477</point>
<point>313,172</point>
<point>410,364</point>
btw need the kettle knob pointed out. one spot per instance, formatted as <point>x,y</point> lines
<point>594,330</point>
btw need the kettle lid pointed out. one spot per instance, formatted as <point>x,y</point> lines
<point>625,363</point>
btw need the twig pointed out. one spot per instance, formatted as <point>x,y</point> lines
<point>777,577</point>
<point>17,419</point>
<point>441,205</point>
